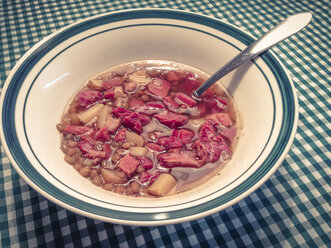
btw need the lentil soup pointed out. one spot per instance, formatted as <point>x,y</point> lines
<point>135,130</point>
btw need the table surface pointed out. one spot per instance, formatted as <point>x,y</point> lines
<point>292,209</point>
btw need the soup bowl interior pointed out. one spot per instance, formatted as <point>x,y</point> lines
<point>78,52</point>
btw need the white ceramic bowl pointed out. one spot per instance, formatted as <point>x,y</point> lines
<point>40,85</point>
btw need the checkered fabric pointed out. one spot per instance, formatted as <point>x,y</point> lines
<point>292,209</point>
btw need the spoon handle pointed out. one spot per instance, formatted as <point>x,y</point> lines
<point>290,26</point>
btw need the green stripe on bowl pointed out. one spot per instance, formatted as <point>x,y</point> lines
<point>26,167</point>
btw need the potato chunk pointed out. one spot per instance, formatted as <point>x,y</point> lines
<point>134,138</point>
<point>138,151</point>
<point>102,115</point>
<point>162,185</point>
<point>87,115</point>
<point>118,91</point>
<point>198,121</point>
<point>110,177</point>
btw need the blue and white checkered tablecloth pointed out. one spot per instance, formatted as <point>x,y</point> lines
<point>292,209</point>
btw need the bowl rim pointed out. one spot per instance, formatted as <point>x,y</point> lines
<point>41,47</point>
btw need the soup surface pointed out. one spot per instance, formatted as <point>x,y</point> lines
<point>134,129</point>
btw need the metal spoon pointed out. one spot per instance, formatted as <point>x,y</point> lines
<point>290,26</point>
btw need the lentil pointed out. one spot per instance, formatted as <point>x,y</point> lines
<point>85,171</point>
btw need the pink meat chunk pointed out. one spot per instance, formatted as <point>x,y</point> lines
<point>172,76</point>
<point>170,142</point>
<point>113,124</point>
<point>103,134</point>
<point>87,97</point>
<point>207,131</point>
<point>157,105</point>
<point>155,147</point>
<point>121,135</point>
<point>200,152</point>
<point>185,135</point>
<point>179,150</point>
<point>220,119</point>
<point>181,98</point>
<point>219,104</point>
<point>85,146</point>
<point>89,138</point>
<point>159,87</point>
<point>170,103</point>
<point>106,148</point>
<point>171,120</point>
<point>214,151</point>
<point>123,113</point>
<point>154,177</point>
<point>133,123</point>
<point>89,151</point>
<point>128,164</point>
<point>144,119</point>
<point>221,143</point>
<point>146,163</point>
<point>229,133</point>
<point>144,177</point>
<point>77,130</point>
<point>136,103</point>
<point>109,94</point>
<point>208,95</point>
<point>224,119</point>
<point>92,154</point>
<point>189,85</point>
<point>202,109</point>
<point>111,83</point>
<point>174,159</point>
<point>150,108</point>
<point>210,152</point>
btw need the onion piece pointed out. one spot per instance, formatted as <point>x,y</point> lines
<point>87,115</point>
<point>140,80</point>
<point>97,83</point>
<point>197,122</point>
